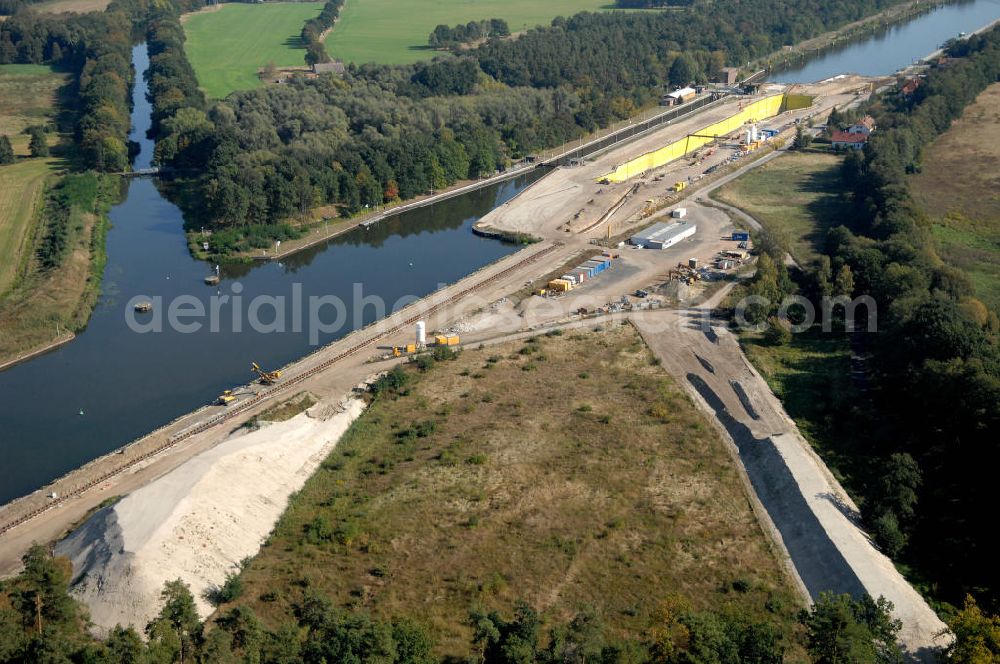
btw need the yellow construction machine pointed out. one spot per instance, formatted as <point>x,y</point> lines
<point>266,377</point>
<point>226,398</point>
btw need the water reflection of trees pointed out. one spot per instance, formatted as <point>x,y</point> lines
<point>449,214</point>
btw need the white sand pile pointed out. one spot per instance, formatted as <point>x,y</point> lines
<point>198,521</point>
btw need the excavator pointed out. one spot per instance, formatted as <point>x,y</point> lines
<point>266,377</point>
<point>226,398</point>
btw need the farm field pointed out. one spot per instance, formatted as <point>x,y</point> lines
<point>794,196</point>
<point>565,470</point>
<point>390,32</point>
<point>47,304</point>
<point>27,97</point>
<point>75,6</point>
<point>227,45</point>
<point>959,186</point>
<point>20,196</point>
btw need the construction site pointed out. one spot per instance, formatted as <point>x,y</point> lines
<point>584,271</point>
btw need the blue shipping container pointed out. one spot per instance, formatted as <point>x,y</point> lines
<point>740,236</point>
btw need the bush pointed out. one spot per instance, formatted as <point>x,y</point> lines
<point>888,535</point>
<point>318,531</point>
<point>229,591</point>
<point>777,333</point>
<point>6,151</point>
<point>39,145</point>
<point>391,383</point>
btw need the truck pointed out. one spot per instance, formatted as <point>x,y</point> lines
<point>679,213</point>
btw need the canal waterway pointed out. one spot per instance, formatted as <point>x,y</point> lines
<point>111,384</point>
<point>890,48</point>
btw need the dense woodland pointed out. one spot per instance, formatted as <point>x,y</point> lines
<point>473,31</point>
<point>927,432</point>
<point>96,47</point>
<point>381,133</point>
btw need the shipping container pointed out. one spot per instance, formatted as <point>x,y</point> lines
<point>560,285</point>
<point>679,213</point>
<point>411,348</point>
<point>453,341</point>
<point>441,340</point>
<point>740,236</point>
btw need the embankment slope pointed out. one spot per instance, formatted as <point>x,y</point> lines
<point>199,520</point>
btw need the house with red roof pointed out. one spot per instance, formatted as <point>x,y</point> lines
<point>848,139</point>
<point>856,135</point>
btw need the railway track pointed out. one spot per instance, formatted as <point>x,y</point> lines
<point>289,382</point>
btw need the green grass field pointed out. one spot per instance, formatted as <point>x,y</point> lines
<point>959,186</point>
<point>27,97</point>
<point>21,193</point>
<point>390,32</point>
<point>566,470</point>
<point>228,45</point>
<point>795,196</point>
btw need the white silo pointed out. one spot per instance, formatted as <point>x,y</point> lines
<point>421,333</point>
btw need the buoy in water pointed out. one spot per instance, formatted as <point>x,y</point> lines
<point>81,411</point>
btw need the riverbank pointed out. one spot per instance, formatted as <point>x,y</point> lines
<point>40,517</point>
<point>322,230</point>
<point>47,304</point>
<point>327,227</point>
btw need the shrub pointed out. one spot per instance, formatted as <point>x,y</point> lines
<point>318,531</point>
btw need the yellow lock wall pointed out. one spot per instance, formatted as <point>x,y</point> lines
<point>754,112</point>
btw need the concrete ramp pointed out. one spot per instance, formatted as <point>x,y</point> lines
<point>808,512</point>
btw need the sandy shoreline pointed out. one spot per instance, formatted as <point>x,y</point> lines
<point>199,520</point>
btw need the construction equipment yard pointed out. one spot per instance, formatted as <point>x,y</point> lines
<point>808,513</point>
<point>470,303</point>
<point>572,202</point>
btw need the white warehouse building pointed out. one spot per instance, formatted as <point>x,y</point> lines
<point>663,235</point>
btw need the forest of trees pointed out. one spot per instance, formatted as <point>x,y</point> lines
<point>97,48</point>
<point>40,622</point>
<point>925,432</point>
<point>934,337</point>
<point>450,37</point>
<point>384,133</point>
